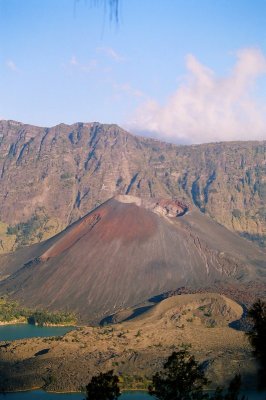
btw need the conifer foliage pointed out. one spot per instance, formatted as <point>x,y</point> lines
<point>257,337</point>
<point>181,378</point>
<point>103,387</point>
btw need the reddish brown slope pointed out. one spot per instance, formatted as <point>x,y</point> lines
<point>121,254</point>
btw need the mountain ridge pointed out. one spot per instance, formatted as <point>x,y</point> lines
<point>88,124</point>
<point>60,173</point>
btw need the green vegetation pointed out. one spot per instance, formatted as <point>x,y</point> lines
<point>236,213</point>
<point>208,314</point>
<point>25,231</point>
<point>11,310</point>
<point>181,378</point>
<point>53,318</point>
<point>66,175</point>
<point>201,308</point>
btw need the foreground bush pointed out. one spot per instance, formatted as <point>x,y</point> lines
<point>182,378</point>
<point>257,338</point>
<point>103,387</point>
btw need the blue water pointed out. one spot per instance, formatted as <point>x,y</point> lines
<point>41,395</point>
<point>21,331</point>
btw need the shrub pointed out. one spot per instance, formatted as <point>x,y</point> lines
<point>103,387</point>
<point>181,378</point>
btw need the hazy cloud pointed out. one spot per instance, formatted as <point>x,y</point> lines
<point>126,88</point>
<point>73,61</point>
<point>85,67</point>
<point>11,65</point>
<point>111,53</point>
<point>207,108</point>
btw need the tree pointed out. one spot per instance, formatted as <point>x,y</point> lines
<point>103,387</point>
<point>181,379</point>
<point>257,337</point>
<point>234,389</point>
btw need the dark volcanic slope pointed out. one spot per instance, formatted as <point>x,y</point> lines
<point>121,254</point>
<point>50,177</point>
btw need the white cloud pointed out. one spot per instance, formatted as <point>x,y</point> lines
<point>11,65</point>
<point>207,108</point>
<point>111,53</point>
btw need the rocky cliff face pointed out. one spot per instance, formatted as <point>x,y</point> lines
<point>53,176</point>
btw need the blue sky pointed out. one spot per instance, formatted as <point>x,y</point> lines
<point>187,71</point>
